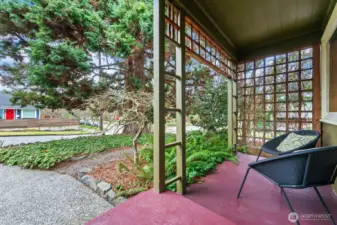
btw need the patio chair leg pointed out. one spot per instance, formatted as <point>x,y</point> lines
<point>288,203</point>
<point>243,182</point>
<point>259,155</point>
<point>325,206</point>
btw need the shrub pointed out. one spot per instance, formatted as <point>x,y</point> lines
<point>203,152</point>
<point>209,108</point>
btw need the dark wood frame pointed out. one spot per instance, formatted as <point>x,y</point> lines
<point>199,44</point>
<point>244,120</point>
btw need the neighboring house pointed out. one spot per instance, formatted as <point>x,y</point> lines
<point>12,112</point>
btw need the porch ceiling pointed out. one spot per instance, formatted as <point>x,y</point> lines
<point>250,28</point>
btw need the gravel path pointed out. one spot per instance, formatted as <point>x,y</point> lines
<point>31,197</point>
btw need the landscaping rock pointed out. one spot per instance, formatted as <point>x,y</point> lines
<point>93,185</point>
<point>110,196</point>
<point>119,200</point>
<point>86,179</point>
<point>78,158</point>
<point>83,171</point>
<point>103,188</point>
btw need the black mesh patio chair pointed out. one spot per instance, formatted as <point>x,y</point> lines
<point>271,145</point>
<point>306,168</point>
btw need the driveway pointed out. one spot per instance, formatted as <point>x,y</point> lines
<point>32,139</point>
<point>30,197</point>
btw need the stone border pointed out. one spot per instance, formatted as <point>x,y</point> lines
<point>102,188</point>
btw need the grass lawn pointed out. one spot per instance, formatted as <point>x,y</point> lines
<point>37,133</point>
<point>47,154</point>
<point>89,127</point>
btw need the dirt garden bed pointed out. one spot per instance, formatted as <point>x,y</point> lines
<point>74,165</point>
<point>122,180</point>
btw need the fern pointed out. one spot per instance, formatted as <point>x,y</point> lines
<point>130,192</point>
<point>203,155</point>
<point>203,152</point>
<point>122,167</point>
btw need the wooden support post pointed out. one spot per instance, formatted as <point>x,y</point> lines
<point>180,104</point>
<point>316,85</point>
<point>235,111</point>
<point>159,95</point>
<point>230,113</point>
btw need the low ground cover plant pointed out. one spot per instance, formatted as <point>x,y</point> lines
<point>203,152</point>
<point>46,154</point>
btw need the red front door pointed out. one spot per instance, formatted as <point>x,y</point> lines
<point>9,114</point>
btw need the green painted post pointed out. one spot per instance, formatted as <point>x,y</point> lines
<point>180,104</point>
<point>235,112</point>
<point>230,113</point>
<point>159,94</point>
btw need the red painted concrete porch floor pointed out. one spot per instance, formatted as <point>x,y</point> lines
<point>215,202</point>
<point>261,202</point>
<point>150,208</point>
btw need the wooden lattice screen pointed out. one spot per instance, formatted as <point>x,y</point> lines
<point>199,44</point>
<point>276,94</point>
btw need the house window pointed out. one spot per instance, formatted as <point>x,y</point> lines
<point>329,70</point>
<point>28,114</point>
<point>333,74</point>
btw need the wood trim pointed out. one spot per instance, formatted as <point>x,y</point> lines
<point>202,47</point>
<point>180,103</point>
<point>159,95</point>
<point>316,88</point>
<point>230,113</point>
<point>197,14</point>
<point>212,52</point>
<point>325,62</point>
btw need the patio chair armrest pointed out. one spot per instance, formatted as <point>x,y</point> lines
<point>288,170</point>
<point>283,170</point>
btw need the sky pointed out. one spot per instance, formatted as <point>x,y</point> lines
<point>6,60</point>
<point>105,60</point>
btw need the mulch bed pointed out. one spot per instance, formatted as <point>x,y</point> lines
<point>71,167</point>
<point>120,180</point>
<point>128,180</point>
<point>70,161</point>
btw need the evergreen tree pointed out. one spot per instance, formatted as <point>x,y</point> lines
<point>48,48</point>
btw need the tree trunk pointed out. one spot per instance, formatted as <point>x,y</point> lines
<point>135,69</point>
<point>139,61</point>
<point>134,144</point>
<point>101,127</point>
<point>128,75</point>
<point>131,128</point>
<point>100,80</point>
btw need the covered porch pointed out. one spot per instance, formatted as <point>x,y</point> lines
<point>276,57</point>
<point>214,202</point>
